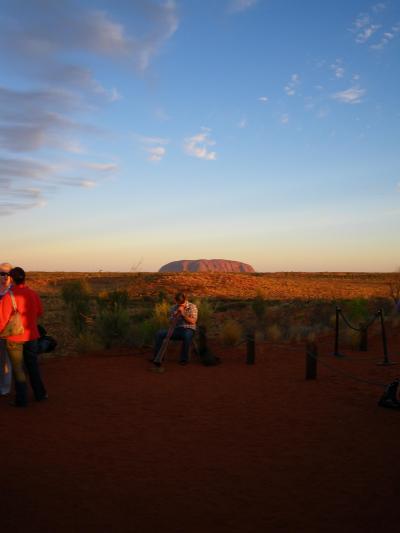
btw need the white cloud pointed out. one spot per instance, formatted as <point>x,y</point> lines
<point>353,95</point>
<point>242,123</point>
<point>386,38</point>
<point>338,68</point>
<point>291,86</point>
<point>197,146</point>
<point>366,33</point>
<point>236,6</point>
<point>284,118</point>
<point>154,146</point>
<point>156,153</point>
<point>263,99</point>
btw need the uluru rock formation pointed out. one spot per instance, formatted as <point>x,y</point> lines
<point>206,265</point>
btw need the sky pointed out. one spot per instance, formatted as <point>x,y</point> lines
<point>135,133</point>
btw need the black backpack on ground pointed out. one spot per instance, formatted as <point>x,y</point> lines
<point>46,343</point>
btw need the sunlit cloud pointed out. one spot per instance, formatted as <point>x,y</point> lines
<point>236,6</point>
<point>197,145</point>
<point>156,153</point>
<point>263,99</point>
<point>353,95</point>
<point>154,146</point>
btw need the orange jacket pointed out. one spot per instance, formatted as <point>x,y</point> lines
<point>30,308</point>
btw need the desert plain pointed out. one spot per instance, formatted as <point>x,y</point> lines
<point>231,448</point>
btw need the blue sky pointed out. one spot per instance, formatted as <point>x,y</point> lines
<point>135,133</point>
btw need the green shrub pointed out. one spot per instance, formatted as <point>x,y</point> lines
<point>76,296</point>
<point>143,333</point>
<point>113,327</point>
<point>259,306</point>
<point>206,312</point>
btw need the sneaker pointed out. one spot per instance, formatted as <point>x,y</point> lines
<point>45,397</point>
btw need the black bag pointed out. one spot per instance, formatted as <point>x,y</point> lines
<point>46,343</point>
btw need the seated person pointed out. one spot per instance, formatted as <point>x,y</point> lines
<point>183,318</point>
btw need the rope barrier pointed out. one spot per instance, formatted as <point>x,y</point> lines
<point>347,374</point>
<point>365,326</point>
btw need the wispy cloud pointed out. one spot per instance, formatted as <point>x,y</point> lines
<point>153,146</point>
<point>48,119</point>
<point>236,6</point>
<point>263,99</point>
<point>338,68</point>
<point>198,145</point>
<point>102,167</point>
<point>353,95</point>
<point>242,123</point>
<point>291,87</point>
<point>372,25</point>
<point>284,119</point>
<point>386,38</point>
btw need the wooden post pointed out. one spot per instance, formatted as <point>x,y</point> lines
<point>363,346</point>
<point>251,349</point>
<point>202,342</point>
<point>311,360</point>
<point>336,352</point>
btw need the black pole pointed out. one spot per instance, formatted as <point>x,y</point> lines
<point>336,352</point>
<point>363,346</point>
<point>384,341</point>
<point>251,349</point>
<point>202,342</point>
<point>311,360</point>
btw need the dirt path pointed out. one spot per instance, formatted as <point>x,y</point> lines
<point>233,448</point>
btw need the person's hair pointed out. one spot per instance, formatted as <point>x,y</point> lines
<point>17,275</point>
<point>5,267</point>
<point>180,297</point>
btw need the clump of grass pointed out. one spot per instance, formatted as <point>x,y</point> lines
<point>274,333</point>
<point>76,295</point>
<point>87,342</point>
<point>113,324</point>
<point>206,312</point>
<point>161,314</point>
<point>231,333</point>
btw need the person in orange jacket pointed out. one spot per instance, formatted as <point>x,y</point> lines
<point>5,363</point>
<point>23,348</point>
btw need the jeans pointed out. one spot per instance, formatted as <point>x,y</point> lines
<point>24,355</point>
<point>180,334</point>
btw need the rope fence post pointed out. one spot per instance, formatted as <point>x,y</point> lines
<point>311,360</point>
<point>384,341</point>
<point>250,349</point>
<point>336,352</point>
<point>363,346</point>
<point>202,342</point>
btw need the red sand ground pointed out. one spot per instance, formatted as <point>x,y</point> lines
<point>233,448</point>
